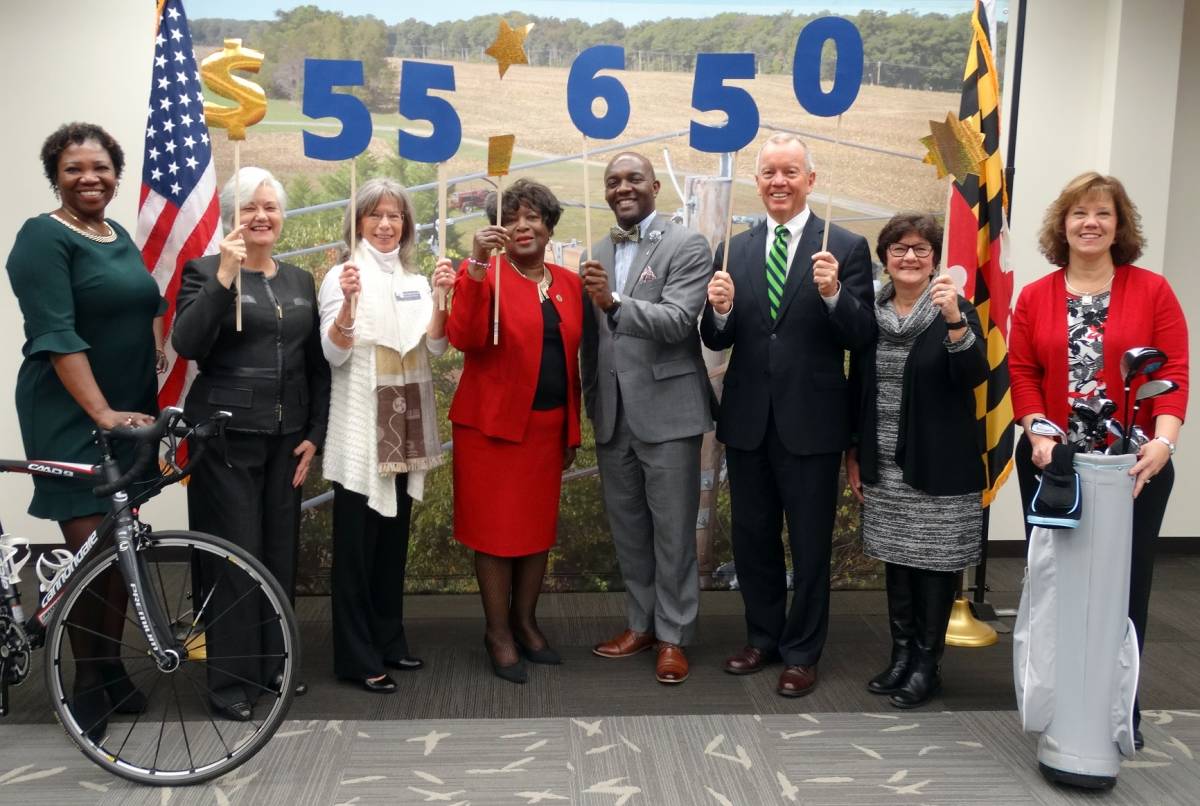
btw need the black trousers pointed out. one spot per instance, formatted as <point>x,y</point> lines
<point>1148,511</point>
<point>765,485</point>
<point>370,553</point>
<point>243,492</point>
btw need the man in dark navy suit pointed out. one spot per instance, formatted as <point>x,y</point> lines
<point>786,414</point>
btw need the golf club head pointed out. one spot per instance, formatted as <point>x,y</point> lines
<point>1114,427</point>
<point>1045,428</point>
<point>1138,435</point>
<point>1154,388</point>
<point>1106,408</point>
<point>1141,361</point>
<point>1088,409</point>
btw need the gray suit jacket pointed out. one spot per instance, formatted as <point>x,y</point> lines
<point>651,353</point>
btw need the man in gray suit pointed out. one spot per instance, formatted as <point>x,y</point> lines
<point>648,395</point>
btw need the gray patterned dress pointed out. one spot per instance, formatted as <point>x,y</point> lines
<point>902,525</point>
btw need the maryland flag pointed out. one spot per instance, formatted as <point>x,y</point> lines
<point>975,236</point>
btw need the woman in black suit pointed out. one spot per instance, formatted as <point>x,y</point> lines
<point>917,466</point>
<point>273,378</point>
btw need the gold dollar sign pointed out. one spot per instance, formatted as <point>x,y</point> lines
<point>217,72</point>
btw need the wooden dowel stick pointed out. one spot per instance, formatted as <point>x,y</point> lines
<point>587,206</point>
<point>837,139</point>
<point>353,228</point>
<point>237,222</point>
<point>441,226</point>
<point>500,221</point>
<point>729,213</point>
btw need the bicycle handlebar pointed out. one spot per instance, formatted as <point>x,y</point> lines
<point>169,423</point>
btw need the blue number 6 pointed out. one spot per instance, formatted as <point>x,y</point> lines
<point>806,66</point>
<point>416,80</point>
<point>584,86</point>
<point>320,101</point>
<point>710,93</point>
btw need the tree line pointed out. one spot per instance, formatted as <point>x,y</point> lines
<point>919,51</point>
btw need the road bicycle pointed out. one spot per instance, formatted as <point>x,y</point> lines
<point>145,700</point>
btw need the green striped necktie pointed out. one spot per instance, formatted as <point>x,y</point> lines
<point>777,270</point>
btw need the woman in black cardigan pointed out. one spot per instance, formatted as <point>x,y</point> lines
<point>272,376</point>
<point>917,467</point>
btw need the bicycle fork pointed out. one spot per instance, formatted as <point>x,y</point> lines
<point>147,610</point>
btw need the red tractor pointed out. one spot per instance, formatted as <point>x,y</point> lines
<point>468,200</point>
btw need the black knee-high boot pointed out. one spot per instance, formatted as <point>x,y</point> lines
<point>933,596</point>
<point>898,579</point>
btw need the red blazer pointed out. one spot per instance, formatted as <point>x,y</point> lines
<point>1142,312</point>
<point>495,393</point>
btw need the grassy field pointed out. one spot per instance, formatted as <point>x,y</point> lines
<point>531,103</point>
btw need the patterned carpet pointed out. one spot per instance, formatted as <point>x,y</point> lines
<point>603,733</point>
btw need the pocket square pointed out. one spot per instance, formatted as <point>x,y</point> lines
<point>647,276</point>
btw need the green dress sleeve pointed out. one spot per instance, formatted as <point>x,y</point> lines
<point>39,268</point>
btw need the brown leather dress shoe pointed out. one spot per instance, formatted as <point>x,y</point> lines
<point>749,660</point>
<point>796,681</point>
<point>672,665</point>
<point>626,644</point>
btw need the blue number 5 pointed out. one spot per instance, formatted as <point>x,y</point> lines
<point>416,80</point>
<point>320,101</point>
<point>710,93</point>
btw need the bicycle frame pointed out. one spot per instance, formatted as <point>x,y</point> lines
<point>120,523</point>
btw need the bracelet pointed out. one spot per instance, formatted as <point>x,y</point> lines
<point>481,263</point>
<point>345,331</point>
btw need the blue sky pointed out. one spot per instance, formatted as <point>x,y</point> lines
<point>626,11</point>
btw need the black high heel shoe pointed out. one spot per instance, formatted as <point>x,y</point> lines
<point>91,711</point>
<point>513,673</point>
<point>545,656</point>
<point>126,698</point>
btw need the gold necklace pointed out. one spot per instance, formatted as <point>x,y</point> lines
<point>543,285</point>
<point>91,236</point>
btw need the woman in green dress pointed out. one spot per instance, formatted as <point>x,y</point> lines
<point>93,337</point>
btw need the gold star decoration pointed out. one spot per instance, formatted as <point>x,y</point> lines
<point>955,147</point>
<point>509,46</point>
<point>499,154</point>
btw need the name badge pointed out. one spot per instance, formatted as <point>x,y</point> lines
<point>408,296</point>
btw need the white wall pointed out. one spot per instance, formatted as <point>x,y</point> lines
<point>1104,88</point>
<point>64,60</point>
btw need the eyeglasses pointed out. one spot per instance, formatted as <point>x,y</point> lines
<point>901,249</point>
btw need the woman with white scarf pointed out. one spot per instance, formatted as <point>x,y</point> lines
<point>379,353</point>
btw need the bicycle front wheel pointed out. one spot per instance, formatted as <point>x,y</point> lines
<point>173,724</point>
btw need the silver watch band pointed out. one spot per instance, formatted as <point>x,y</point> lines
<point>1170,445</point>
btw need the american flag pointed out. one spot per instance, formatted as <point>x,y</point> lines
<point>178,213</point>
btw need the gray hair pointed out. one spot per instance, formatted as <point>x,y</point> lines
<point>369,196</point>
<point>783,138</point>
<point>246,182</point>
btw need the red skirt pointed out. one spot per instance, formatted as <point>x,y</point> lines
<point>506,493</point>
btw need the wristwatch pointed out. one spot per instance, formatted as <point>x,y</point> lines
<point>616,299</point>
<point>959,325</point>
<point>1170,445</point>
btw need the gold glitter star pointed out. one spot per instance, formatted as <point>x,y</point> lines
<point>955,147</point>
<point>509,46</point>
<point>499,155</point>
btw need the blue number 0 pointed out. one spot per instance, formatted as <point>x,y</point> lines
<point>806,66</point>
<point>710,93</point>
<point>416,80</point>
<point>584,86</point>
<point>320,101</point>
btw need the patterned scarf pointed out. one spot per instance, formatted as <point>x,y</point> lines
<point>895,329</point>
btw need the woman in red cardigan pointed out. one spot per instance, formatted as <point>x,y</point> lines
<point>1069,331</point>
<point>515,415</point>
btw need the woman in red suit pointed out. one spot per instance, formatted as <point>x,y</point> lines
<point>515,416</point>
<point>1069,331</point>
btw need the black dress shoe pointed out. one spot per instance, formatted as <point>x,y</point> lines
<point>380,685</point>
<point>545,656</point>
<point>125,697</point>
<point>232,703</point>
<point>404,664</point>
<point>277,685</point>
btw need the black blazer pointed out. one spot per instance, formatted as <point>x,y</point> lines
<point>272,376</point>
<point>940,443</point>
<point>792,369</point>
